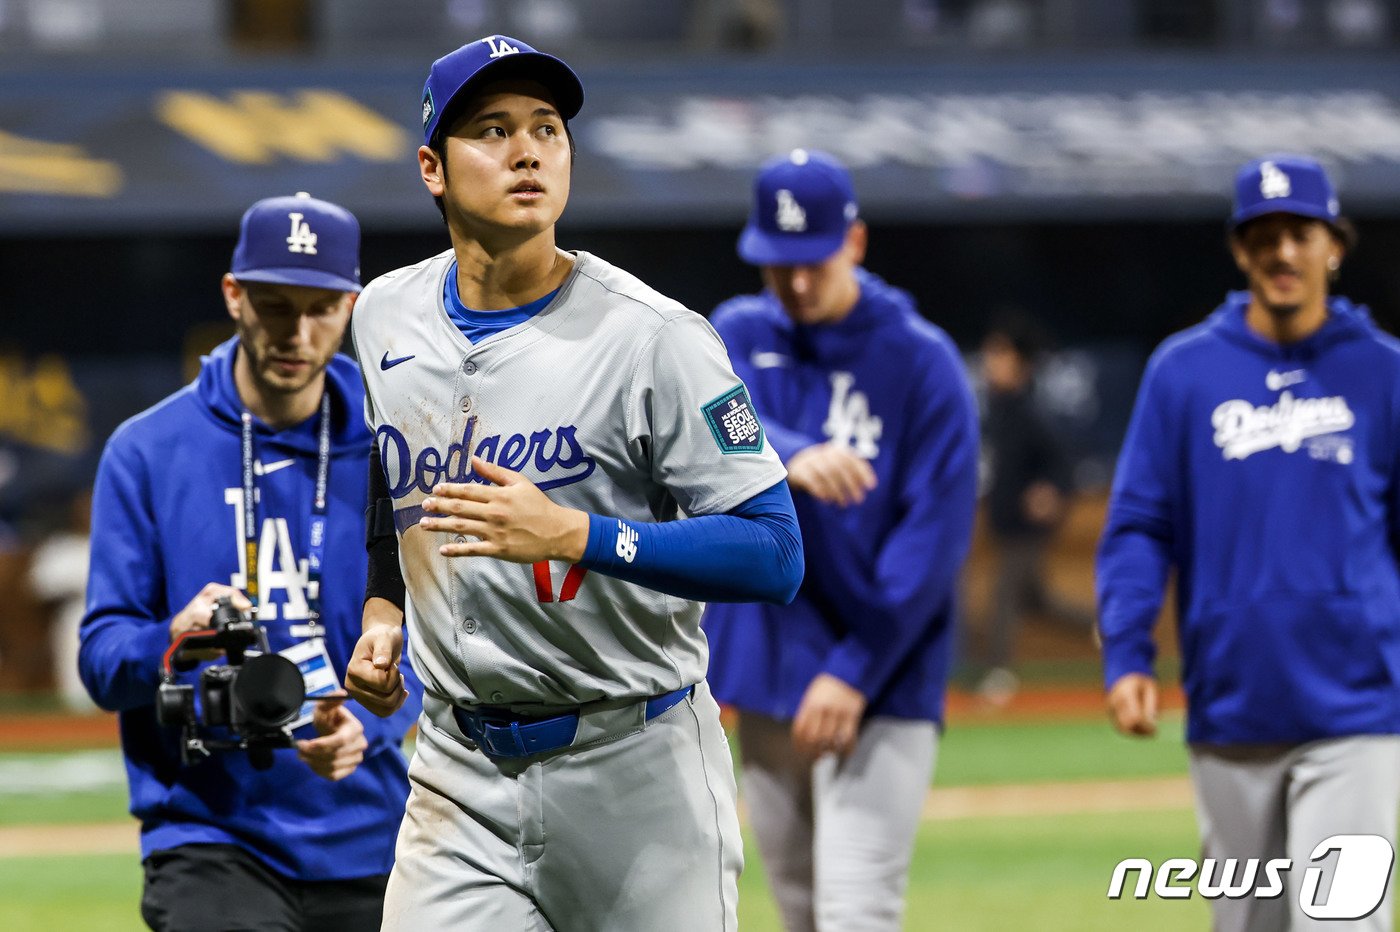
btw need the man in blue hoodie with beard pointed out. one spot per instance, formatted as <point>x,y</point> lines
<point>1263,464</point>
<point>306,844</point>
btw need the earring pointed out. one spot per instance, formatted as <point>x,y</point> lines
<point>1334,263</point>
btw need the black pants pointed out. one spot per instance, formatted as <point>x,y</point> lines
<point>222,888</point>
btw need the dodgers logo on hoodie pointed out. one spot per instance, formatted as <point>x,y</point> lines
<point>1242,429</point>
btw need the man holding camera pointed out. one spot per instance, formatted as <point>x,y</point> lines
<point>249,485</point>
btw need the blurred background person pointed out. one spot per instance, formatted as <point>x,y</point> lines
<point>1263,466</point>
<point>1028,487</point>
<point>840,694</point>
<point>58,577</point>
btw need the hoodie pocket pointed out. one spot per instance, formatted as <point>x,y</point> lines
<point>1287,668</point>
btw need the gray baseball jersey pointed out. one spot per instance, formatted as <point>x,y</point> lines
<point>613,399</point>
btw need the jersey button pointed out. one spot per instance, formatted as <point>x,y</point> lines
<point>459,539</point>
<point>469,626</point>
<point>467,403</point>
<point>469,368</point>
<point>498,697</point>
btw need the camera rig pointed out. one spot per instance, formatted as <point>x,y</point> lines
<point>254,695</point>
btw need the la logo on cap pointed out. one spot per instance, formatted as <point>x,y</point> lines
<point>302,239</point>
<point>500,47</point>
<point>1273,181</point>
<point>791,217</point>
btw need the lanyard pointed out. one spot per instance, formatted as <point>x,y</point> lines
<point>317,525</point>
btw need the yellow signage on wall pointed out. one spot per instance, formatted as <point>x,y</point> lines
<point>43,406</point>
<point>31,166</point>
<point>254,127</point>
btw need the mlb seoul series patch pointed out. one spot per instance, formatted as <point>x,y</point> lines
<point>427,108</point>
<point>733,422</point>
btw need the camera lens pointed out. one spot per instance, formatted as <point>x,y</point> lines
<point>268,690</point>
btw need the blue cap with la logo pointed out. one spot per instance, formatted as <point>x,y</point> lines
<point>455,75</point>
<point>298,240</point>
<point>1284,184</point>
<point>803,204</point>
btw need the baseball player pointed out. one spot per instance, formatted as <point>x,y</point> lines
<point>542,419</point>
<point>213,492</point>
<point>841,692</point>
<point>1263,463</point>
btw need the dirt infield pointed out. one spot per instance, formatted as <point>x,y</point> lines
<point>20,841</point>
<point>57,732</point>
<point>1037,799</point>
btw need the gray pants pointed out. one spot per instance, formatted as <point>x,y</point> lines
<point>1273,801</point>
<point>634,829</point>
<point>837,836</point>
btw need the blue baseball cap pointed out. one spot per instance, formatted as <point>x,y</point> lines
<point>494,58</point>
<point>298,240</point>
<point>1287,184</point>
<point>803,204</point>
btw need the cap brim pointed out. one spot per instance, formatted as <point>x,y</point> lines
<point>759,247</point>
<point>307,278</point>
<point>1282,205</point>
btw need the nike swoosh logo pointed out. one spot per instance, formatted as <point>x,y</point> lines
<point>386,363</point>
<point>762,360</point>
<point>264,469</point>
<point>1279,380</point>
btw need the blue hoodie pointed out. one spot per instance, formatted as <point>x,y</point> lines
<point>876,606</point>
<point>1266,474</point>
<point>165,522</point>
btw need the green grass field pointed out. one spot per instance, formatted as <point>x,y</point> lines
<point>981,873</point>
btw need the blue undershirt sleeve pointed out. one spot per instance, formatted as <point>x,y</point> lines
<point>753,553</point>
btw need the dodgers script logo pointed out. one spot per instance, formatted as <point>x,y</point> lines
<point>1241,429</point>
<point>555,456</point>
<point>849,422</point>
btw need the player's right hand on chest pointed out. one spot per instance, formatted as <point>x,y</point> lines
<point>373,678</point>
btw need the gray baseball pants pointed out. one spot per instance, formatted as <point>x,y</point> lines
<point>837,836</point>
<point>634,827</point>
<point>1280,801</point>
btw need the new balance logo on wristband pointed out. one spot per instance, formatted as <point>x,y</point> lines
<point>626,542</point>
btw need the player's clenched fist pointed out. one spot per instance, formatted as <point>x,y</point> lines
<point>511,518</point>
<point>373,678</point>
